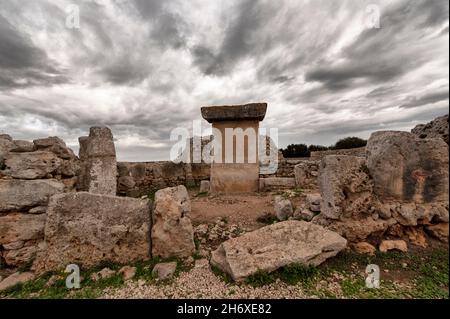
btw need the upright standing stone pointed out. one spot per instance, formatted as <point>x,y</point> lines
<point>235,165</point>
<point>99,169</point>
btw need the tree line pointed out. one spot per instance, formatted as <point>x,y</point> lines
<point>303,150</point>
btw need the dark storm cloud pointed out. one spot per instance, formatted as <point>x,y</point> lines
<point>426,99</point>
<point>379,55</point>
<point>144,67</point>
<point>241,38</point>
<point>22,64</point>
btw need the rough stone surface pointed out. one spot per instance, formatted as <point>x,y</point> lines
<point>439,231</point>
<point>252,111</point>
<point>15,279</point>
<point>172,232</point>
<point>86,229</point>
<point>345,186</point>
<point>105,273</point>
<point>306,173</point>
<point>283,208</point>
<point>275,246</point>
<point>304,214</point>
<point>6,144</point>
<point>204,187</point>
<point>127,272</point>
<point>438,128</point>
<point>20,257</point>
<point>32,165</point>
<point>164,270</point>
<point>268,183</point>
<point>407,168</point>
<point>98,172</point>
<point>387,245</point>
<point>17,227</point>
<point>55,145</point>
<point>313,202</point>
<point>22,146</point>
<point>364,248</point>
<point>18,195</point>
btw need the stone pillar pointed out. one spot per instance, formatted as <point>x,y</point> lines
<point>99,168</point>
<point>235,165</point>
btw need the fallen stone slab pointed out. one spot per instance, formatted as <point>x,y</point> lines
<point>86,229</point>
<point>16,195</point>
<point>275,246</point>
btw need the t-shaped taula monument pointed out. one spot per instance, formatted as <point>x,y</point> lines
<point>235,165</point>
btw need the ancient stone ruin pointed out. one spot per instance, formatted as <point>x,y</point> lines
<point>229,173</point>
<point>57,208</point>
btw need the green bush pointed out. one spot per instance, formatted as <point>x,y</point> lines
<point>350,142</point>
<point>296,150</point>
<point>316,148</point>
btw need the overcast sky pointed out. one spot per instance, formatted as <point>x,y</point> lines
<point>144,67</point>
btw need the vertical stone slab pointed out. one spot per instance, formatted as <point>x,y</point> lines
<point>98,154</point>
<point>235,167</point>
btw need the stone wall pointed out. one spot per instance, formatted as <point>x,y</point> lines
<point>30,173</point>
<point>400,190</point>
<point>137,179</point>
<point>359,151</point>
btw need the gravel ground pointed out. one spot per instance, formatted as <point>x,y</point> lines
<point>201,282</point>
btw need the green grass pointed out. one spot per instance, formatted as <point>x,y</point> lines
<point>292,275</point>
<point>89,288</point>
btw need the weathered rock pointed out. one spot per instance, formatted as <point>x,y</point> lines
<point>283,208</point>
<point>387,245</point>
<point>38,210</point>
<point>275,246</point>
<point>276,183</point>
<point>98,173</point>
<point>345,186</point>
<point>128,272</point>
<point>416,236</point>
<point>86,229</point>
<point>204,187</point>
<point>304,214</point>
<point>18,195</point>
<point>55,145</point>
<point>364,248</point>
<point>32,165</point>
<point>69,168</point>
<point>22,146</point>
<point>438,128</point>
<point>172,232</point>
<point>6,144</point>
<point>15,279</point>
<point>407,168</point>
<point>439,231</point>
<point>251,111</point>
<point>126,182</point>
<point>355,230</point>
<point>411,214</point>
<point>105,273</point>
<point>313,202</point>
<point>18,227</point>
<point>20,257</point>
<point>306,174</point>
<point>164,270</point>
